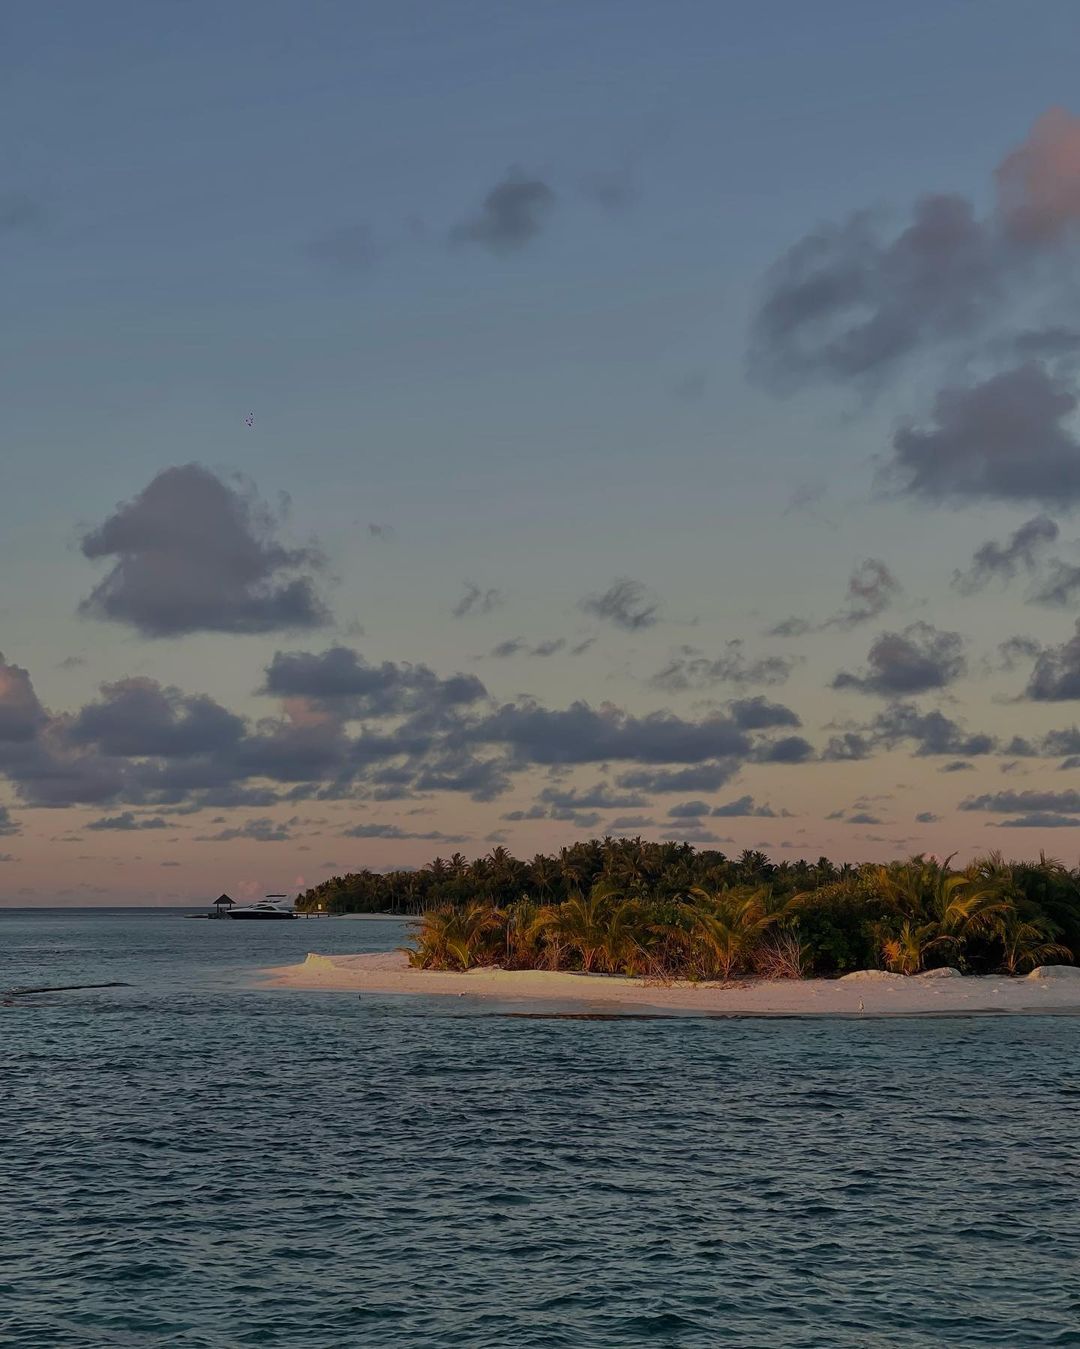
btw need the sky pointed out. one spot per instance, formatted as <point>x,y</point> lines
<point>434,427</point>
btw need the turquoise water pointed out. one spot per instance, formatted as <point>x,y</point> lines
<point>190,1161</point>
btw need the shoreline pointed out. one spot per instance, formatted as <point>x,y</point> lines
<point>867,993</point>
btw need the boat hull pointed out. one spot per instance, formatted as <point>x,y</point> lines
<point>262,917</point>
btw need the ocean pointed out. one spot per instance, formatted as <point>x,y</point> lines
<point>192,1160</point>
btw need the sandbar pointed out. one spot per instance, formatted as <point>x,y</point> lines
<point>1055,989</point>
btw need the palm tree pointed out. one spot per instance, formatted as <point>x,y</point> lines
<point>1027,944</point>
<point>727,925</point>
<point>581,923</point>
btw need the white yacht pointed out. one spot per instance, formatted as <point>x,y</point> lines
<point>273,906</point>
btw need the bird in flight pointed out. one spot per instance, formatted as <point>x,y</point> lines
<point>249,420</point>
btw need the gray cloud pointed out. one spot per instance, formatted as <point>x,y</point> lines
<point>758,714</point>
<point>853,300</point>
<point>1040,820</point>
<point>393,831</point>
<point>255,831</point>
<point>383,532</point>
<point>788,749</point>
<point>8,826</point>
<point>1004,439</point>
<point>21,715</point>
<point>1056,676</point>
<point>871,590</point>
<point>343,682</point>
<point>194,554</point>
<point>512,214</point>
<point>127,822</point>
<point>744,806</point>
<point>705,777</point>
<point>1060,587</point>
<point>1001,561</point>
<point>689,810</point>
<point>625,603</point>
<point>933,733</point>
<point>1065,802</point>
<point>847,301</point>
<point>927,817</point>
<point>631,822</point>
<point>598,797</point>
<point>912,661</point>
<point>582,734</point>
<point>517,646</point>
<point>477,601</point>
<point>689,669</point>
<point>140,717</point>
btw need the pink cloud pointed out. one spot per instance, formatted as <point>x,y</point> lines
<point>1039,182</point>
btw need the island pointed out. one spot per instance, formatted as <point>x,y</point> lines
<point>668,926</point>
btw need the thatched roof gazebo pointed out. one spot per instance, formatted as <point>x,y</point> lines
<point>222,905</point>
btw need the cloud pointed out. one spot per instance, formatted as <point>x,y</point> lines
<point>383,532</point>
<point>689,669</point>
<point>689,810</point>
<point>933,733</point>
<point>1056,675</point>
<point>1060,588</point>
<point>1039,183</point>
<point>128,821</point>
<point>477,601</point>
<point>138,717</point>
<point>705,777</point>
<point>758,714</point>
<point>863,817</point>
<point>1001,561</point>
<point>598,797</point>
<point>927,817</point>
<point>21,715</point>
<point>1065,802</point>
<point>871,589</point>
<point>517,646</point>
<point>623,822</point>
<point>583,734</point>
<point>1003,439</point>
<point>196,555</point>
<point>393,831</point>
<point>627,604</point>
<point>255,831</point>
<point>8,826</point>
<point>912,661</point>
<point>788,749</point>
<point>513,213</point>
<point>847,301</point>
<point>341,681</point>
<point>1040,820</point>
<point>744,806</point>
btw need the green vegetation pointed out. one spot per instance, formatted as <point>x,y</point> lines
<point>669,911</point>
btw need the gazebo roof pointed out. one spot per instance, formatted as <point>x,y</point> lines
<point>224,899</point>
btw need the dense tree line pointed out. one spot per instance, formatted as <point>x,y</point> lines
<point>669,910</point>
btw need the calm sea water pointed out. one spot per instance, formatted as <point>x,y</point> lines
<point>192,1161</point>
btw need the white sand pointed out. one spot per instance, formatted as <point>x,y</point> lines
<point>869,993</point>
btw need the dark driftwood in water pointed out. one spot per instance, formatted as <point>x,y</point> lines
<point>62,988</point>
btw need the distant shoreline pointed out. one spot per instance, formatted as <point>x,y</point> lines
<point>872,994</point>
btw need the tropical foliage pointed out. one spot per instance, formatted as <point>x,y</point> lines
<point>667,911</point>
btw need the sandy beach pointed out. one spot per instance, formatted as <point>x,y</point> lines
<point>868,993</point>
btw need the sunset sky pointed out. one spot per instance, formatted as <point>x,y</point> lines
<point>428,427</point>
